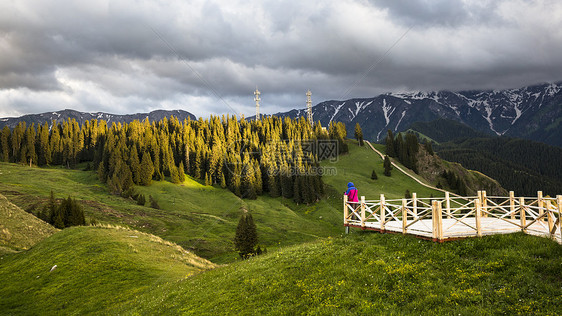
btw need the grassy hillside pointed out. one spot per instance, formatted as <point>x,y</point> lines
<point>197,217</point>
<point>202,218</point>
<point>311,267</point>
<point>357,167</point>
<point>20,230</point>
<point>96,267</point>
<point>369,273</point>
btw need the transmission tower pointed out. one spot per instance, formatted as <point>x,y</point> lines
<point>257,99</point>
<point>309,107</point>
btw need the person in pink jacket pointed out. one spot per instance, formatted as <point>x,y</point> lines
<point>352,196</point>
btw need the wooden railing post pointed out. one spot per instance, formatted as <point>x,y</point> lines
<point>382,212</point>
<point>345,210</point>
<point>550,216</point>
<point>363,212</point>
<point>415,204</point>
<point>404,215</point>
<point>478,217</point>
<point>512,204</point>
<point>484,204</point>
<point>522,214</point>
<point>540,204</point>
<point>448,204</point>
<point>434,220</point>
<point>439,221</point>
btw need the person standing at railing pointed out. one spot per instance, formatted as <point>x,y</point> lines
<point>352,197</point>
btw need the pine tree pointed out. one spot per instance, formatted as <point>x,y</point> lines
<point>181,172</point>
<point>50,209</point>
<point>387,166</point>
<point>258,184</point>
<point>308,194</point>
<point>29,145</point>
<point>374,175</point>
<point>246,237</point>
<point>134,163</point>
<point>390,149</point>
<point>286,182</point>
<point>359,134</point>
<point>153,203</point>
<point>407,194</point>
<point>56,145</point>
<point>428,147</point>
<point>5,140</point>
<point>73,215</point>
<point>141,199</point>
<point>174,174</point>
<point>273,184</point>
<point>44,151</point>
<point>223,181</point>
<point>146,169</point>
<point>297,190</point>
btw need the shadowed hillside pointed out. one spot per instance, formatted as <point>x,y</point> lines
<point>20,230</point>
<point>96,267</point>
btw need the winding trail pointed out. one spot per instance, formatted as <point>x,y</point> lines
<point>408,174</point>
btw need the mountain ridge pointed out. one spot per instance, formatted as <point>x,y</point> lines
<point>81,117</point>
<point>532,112</point>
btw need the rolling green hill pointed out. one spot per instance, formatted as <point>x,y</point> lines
<point>203,218</point>
<point>96,268</point>
<point>20,230</point>
<point>357,167</point>
<point>372,274</point>
<point>311,267</point>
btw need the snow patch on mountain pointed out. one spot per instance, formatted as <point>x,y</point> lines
<point>336,111</point>
<point>387,111</point>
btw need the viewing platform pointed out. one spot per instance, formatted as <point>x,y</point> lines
<point>448,218</point>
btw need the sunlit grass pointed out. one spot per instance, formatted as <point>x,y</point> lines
<point>369,273</point>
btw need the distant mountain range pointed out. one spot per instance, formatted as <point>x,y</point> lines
<point>533,112</point>
<point>81,117</point>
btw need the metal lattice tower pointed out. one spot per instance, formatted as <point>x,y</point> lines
<point>257,99</point>
<point>309,107</point>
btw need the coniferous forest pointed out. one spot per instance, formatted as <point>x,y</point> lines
<point>404,149</point>
<point>520,165</point>
<point>274,155</point>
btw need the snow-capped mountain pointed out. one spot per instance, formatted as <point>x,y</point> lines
<point>533,112</point>
<point>81,117</point>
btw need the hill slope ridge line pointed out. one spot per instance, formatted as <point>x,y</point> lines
<point>409,175</point>
<point>20,230</point>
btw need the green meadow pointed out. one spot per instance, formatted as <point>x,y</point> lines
<point>179,259</point>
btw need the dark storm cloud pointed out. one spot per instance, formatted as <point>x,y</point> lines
<point>207,57</point>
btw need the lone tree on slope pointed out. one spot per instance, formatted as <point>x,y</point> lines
<point>387,166</point>
<point>246,237</point>
<point>359,134</point>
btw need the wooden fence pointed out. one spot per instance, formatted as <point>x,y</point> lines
<point>445,218</point>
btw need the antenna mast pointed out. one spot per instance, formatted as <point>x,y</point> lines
<point>309,107</point>
<point>257,99</point>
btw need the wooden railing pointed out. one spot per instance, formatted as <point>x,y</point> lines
<point>458,217</point>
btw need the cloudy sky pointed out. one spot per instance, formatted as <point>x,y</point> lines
<point>207,57</point>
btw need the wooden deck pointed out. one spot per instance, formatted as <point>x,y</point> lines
<point>459,217</point>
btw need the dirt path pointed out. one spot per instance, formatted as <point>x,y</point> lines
<point>409,175</point>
